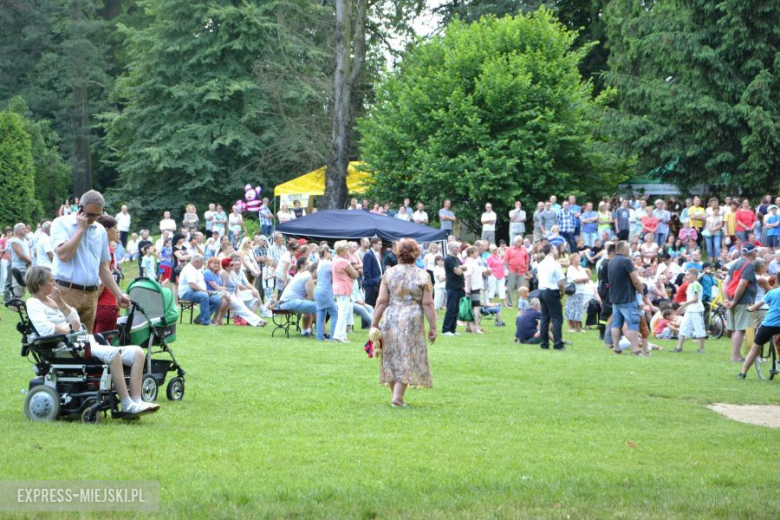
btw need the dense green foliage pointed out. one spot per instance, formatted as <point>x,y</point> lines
<point>52,174</point>
<point>17,190</point>
<point>194,118</point>
<point>699,80</point>
<point>491,111</point>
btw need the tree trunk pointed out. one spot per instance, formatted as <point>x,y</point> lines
<point>82,162</point>
<point>350,54</point>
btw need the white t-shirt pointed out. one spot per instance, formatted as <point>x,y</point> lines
<point>575,272</point>
<point>123,221</point>
<point>208,217</point>
<point>420,217</point>
<point>438,272</point>
<point>492,216</point>
<point>169,224</point>
<point>42,248</point>
<point>190,275</point>
<point>45,318</point>
<point>475,269</point>
<point>693,289</point>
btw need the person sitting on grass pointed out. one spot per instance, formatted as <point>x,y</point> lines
<point>665,327</point>
<point>49,314</point>
<point>527,324</point>
<point>769,328</point>
<point>693,317</point>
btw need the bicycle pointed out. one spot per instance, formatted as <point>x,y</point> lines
<point>716,325</point>
<point>766,362</point>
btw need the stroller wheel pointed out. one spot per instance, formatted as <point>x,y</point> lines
<point>149,388</point>
<point>42,404</point>
<point>175,390</point>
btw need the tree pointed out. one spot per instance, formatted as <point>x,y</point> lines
<point>55,53</point>
<point>357,22</point>
<point>17,190</point>
<point>53,177</point>
<point>698,81</point>
<point>487,112</point>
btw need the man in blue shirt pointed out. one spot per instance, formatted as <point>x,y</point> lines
<point>590,225</point>
<point>81,258</point>
<point>769,328</point>
<point>576,209</point>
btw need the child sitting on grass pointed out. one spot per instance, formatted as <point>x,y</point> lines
<point>693,317</point>
<point>665,327</point>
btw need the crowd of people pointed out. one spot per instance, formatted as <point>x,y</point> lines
<point>635,268</point>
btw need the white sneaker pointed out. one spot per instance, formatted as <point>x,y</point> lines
<point>139,409</point>
<point>448,334</point>
<point>458,334</point>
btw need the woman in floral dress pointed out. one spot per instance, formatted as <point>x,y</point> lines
<point>404,296</point>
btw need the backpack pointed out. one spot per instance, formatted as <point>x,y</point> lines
<point>731,288</point>
<point>465,312</point>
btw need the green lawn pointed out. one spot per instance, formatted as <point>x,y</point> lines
<point>296,428</point>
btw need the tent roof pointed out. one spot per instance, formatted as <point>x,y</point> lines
<point>313,183</point>
<point>334,224</point>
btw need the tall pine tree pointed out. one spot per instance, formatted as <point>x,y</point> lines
<point>699,81</point>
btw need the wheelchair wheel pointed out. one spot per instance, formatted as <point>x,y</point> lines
<point>42,404</point>
<point>91,415</point>
<point>149,388</point>
<point>175,390</point>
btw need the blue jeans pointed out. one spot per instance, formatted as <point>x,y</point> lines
<point>713,246</point>
<point>208,304</point>
<point>660,238</point>
<point>590,238</point>
<point>267,229</point>
<point>299,306</point>
<point>325,305</point>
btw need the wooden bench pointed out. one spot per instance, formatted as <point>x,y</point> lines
<point>284,321</point>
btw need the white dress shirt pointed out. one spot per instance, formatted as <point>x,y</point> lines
<point>549,272</point>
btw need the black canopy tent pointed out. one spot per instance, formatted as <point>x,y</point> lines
<point>338,224</point>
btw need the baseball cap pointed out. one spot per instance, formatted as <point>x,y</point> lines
<point>263,237</point>
<point>748,248</point>
<point>705,265</point>
<point>771,207</point>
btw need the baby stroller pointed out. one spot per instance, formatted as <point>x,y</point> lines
<point>68,381</point>
<point>151,322</point>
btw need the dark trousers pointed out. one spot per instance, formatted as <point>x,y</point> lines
<point>551,310</point>
<point>372,291</point>
<point>451,316</point>
<point>622,235</point>
<point>123,238</point>
<point>569,237</point>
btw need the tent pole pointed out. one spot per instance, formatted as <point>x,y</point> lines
<point>273,218</point>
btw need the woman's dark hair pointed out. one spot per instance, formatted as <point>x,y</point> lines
<point>176,238</point>
<point>408,250</point>
<point>107,221</point>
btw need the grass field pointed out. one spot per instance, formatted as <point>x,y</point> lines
<point>295,428</point>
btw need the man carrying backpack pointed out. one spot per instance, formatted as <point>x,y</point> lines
<point>740,293</point>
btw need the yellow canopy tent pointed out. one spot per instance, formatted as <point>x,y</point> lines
<point>313,183</point>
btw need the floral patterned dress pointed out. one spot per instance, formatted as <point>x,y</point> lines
<point>404,352</point>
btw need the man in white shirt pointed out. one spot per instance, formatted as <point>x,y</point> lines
<point>44,253</point>
<point>82,260</point>
<point>489,224</point>
<point>123,225</point>
<point>551,291</point>
<point>208,216</point>
<point>192,288</point>
<point>167,223</point>
<point>420,216</point>
<point>516,222</point>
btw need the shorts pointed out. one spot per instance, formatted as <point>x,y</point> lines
<point>758,318</point>
<point>693,325</point>
<point>665,334</point>
<point>475,298</point>
<point>765,333</point>
<point>107,353</point>
<point>627,313</point>
<point>738,318</point>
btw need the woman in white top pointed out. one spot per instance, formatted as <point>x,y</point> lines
<point>235,225</point>
<point>439,282</point>
<point>49,314</point>
<point>575,303</point>
<point>429,260</point>
<point>475,283</point>
<point>284,214</point>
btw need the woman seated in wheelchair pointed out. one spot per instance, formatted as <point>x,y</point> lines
<point>49,314</point>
